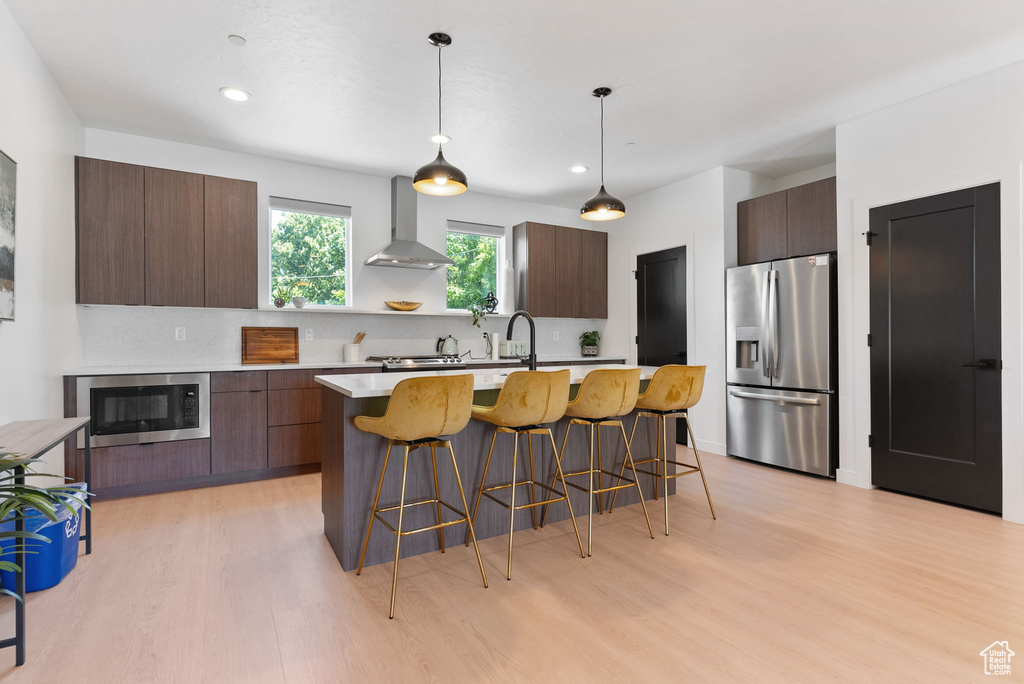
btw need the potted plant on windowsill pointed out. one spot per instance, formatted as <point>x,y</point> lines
<point>589,341</point>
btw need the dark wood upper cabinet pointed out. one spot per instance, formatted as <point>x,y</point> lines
<point>799,221</point>
<point>109,232</point>
<point>174,238</point>
<point>761,229</point>
<point>561,272</point>
<point>811,218</point>
<point>164,238</point>
<point>594,283</point>
<point>238,431</point>
<point>231,243</point>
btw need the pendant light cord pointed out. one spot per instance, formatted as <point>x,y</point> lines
<point>602,142</point>
<point>439,133</point>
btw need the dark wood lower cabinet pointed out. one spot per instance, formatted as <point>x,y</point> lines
<point>293,406</point>
<point>141,463</point>
<point>238,429</point>
<point>293,444</point>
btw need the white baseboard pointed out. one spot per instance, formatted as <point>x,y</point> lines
<point>852,477</point>
<point>711,447</point>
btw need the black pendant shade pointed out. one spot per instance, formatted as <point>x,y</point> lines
<point>439,177</point>
<point>602,206</point>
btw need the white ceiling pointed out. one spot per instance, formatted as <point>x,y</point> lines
<point>346,84</point>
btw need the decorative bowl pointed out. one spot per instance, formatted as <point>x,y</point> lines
<point>404,305</point>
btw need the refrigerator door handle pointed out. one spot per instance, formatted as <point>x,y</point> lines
<point>764,397</point>
<point>773,312</point>
<point>766,368</point>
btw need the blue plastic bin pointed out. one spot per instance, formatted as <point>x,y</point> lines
<point>45,564</point>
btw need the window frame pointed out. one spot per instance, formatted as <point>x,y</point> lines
<point>298,206</point>
<point>483,230</point>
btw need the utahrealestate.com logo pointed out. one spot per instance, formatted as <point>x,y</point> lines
<point>997,658</point>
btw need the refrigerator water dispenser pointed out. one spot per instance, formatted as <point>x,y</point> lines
<point>747,343</point>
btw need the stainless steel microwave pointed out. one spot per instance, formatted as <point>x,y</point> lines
<point>138,409</point>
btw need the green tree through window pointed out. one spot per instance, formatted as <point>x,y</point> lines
<point>307,256</point>
<point>475,272</point>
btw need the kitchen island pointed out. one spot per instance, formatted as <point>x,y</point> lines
<point>351,462</point>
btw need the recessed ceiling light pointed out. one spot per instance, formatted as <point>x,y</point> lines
<point>579,168</point>
<point>440,139</point>
<point>235,39</point>
<point>235,94</point>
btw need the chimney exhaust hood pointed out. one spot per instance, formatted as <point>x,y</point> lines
<point>405,251</point>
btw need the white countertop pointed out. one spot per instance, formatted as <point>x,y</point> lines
<point>228,367</point>
<point>363,385</point>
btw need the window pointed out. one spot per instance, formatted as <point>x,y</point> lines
<point>474,247</point>
<point>308,249</point>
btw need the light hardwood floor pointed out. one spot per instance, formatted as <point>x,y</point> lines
<point>799,579</point>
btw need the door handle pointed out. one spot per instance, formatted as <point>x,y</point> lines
<point>765,329</point>
<point>678,354</point>
<point>984,364</point>
<point>773,307</point>
<point>781,400</point>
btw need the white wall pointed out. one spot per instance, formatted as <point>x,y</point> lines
<point>134,335</point>
<point>967,134</point>
<point>803,177</point>
<point>700,213</point>
<point>41,133</point>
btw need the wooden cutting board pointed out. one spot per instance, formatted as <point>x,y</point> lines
<point>270,345</point>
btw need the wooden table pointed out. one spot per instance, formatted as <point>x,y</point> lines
<point>31,439</point>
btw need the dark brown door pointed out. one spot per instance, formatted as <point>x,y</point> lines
<point>761,229</point>
<point>935,353</point>
<point>238,431</point>
<point>811,218</point>
<point>174,238</point>
<point>661,311</point>
<point>593,274</point>
<point>110,232</point>
<point>231,242</point>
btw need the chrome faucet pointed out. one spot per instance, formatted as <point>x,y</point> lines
<point>532,358</point>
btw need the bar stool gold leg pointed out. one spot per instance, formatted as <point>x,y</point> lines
<point>512,504</point>
<point>437,495</point>
<point>373,510</point>
<point>483,482</point>
<point>533,489</point>
<point>600,482</point>
<point>657,461</point>
<point>544,510</point>
<point>398,536</point>
<point>565,488</point>
<point>465,507</point>
<point>590,497</point>
<point>636,480</point>
<point>632,433</point>
<point>696,455</point>
<point>664,452</point>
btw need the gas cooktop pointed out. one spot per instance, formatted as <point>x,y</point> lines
<point>414,363</point>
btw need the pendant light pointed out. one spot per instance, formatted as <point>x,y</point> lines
<point>439,177</point>
<point>602,206</point>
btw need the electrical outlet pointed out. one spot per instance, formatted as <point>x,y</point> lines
<point>556,336</point>
<point>486,335</point>
<point>309,334</point>
<point>179,334</point>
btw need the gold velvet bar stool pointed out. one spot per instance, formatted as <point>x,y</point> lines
<point>604,394</point>
<point>672,391</point>
<point>419,411</point>
<point>527,400</point>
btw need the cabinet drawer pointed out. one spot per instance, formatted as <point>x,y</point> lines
<point>238,381</point>
<point>293,445</point>
<point>140,463</point>
<point>293,406</point>
<point>293,379</point>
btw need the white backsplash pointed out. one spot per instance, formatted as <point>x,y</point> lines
<point>115,336</point>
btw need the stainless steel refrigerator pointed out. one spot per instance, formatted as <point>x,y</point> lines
<point>781,363</point>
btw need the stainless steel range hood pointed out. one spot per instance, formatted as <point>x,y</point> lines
<point>405,251</point>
